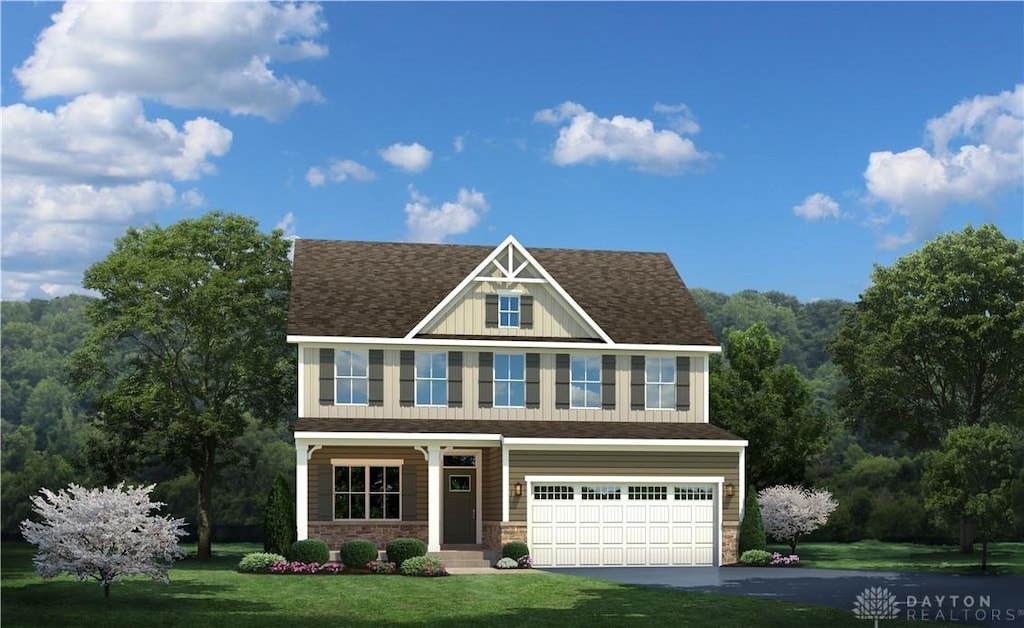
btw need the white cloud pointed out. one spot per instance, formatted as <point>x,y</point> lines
<point>75,177</point>
<point>434,224</point>
<point>976,154</point>
<point>20,285</point>
<point>459,143</point>
<point>588,138</point>
<point>412,158</point>
<point>287,225</point>
<point>679,117</point>
<point>818,206</point>
<point>215,55</point>
<point>339,170</point>
<point>95,137</point>
<point>315,177</point>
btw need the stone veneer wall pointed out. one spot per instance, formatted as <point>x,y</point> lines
<point>380,532</point>
<point>730,543</point>
<point>491,531</point>
<point>513,531</point>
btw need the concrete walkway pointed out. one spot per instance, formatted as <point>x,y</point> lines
<point>978,600</point>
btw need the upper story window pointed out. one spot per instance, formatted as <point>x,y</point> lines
<point>509,380</point>
<point>585,381</point>
<point>508,310</point>
<point>660,376</point>
<point>351,377</point>
<point>431,378</point>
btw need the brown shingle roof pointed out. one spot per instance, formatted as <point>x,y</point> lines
<point>522,429</point>
<point>378,289</point>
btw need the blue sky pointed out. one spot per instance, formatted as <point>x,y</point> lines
<point>767,146</point>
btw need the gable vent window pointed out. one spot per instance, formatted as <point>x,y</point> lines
<point>351,377</point>
<point>508,310</point>
<point>431,378</point>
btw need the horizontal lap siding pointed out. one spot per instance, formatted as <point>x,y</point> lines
<point>409,455</point>
<point>470,396</point>
<point>523,463</point>
<point>491,484</point>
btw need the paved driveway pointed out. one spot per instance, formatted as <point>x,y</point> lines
<point>980,600</point>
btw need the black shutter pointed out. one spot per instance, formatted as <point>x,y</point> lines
<point>526,312</point>
<point>325,491</point>
<point>407,378</point>
<point>408,492</point>
<point>491,310</point>
<point>327,377</point>
<point>608,382</point>
<point>486,371</point>
<point>375,383</point>
<point>454,379</point>
<point>532,380</point>
<point>562,361</point>
<point>682,383</point>
<point>637,390</point>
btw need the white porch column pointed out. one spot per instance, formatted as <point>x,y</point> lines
<point>433,498</point>
<point>301,491</point>
<point>504,483</point>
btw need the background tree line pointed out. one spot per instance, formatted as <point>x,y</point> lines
<point>801,381</point>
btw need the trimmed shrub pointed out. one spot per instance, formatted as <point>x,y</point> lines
<point>259,562</point>
<point>755,557</point>
<point>507,563</point>
<point>752,528</point>
<point>309,551</point>
<point>401,550</point>
<point>515,550</point>
<point>279,519</point>
<point>356,553</point>
<point>426,566</point>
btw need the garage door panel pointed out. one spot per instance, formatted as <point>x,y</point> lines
<point>590,535</point>
<point>658,535</point>
<point>665,525</point>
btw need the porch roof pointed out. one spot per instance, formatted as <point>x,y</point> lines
<point>523,429</point>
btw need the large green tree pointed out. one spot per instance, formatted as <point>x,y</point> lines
<point>971,479</point>
<point>769,405</point>
<point>188,343</point>
<point>937,340</point>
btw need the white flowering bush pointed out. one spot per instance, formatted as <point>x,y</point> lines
<point>103,533</point>
<point>790,512</point>
<point>507,563</point>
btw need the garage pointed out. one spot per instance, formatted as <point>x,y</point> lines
<point>632,522</point>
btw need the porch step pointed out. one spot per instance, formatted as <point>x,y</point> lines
<point>465,558</point>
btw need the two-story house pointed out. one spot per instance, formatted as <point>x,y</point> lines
<point>470,396</point>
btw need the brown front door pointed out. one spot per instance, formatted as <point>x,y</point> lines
<point>460,487</point>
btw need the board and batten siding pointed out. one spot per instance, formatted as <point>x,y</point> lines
<point>392,409</point>
<point>639,462</point>
<point>551,318</point>
<point>410,457</point>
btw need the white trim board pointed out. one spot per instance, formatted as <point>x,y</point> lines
<point>627,479</point>
<point>618,349</point>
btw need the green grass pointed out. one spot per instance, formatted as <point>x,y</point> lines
<point>213,594</point>
<point>1003,558</point>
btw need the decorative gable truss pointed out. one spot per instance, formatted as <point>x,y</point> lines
<point>509,264</point>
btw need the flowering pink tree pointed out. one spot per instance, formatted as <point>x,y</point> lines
<point>790,512</point>
<point>102,533</point>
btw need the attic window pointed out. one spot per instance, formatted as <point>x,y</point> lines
<point>508,310</point>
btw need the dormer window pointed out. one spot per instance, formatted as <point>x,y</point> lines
<point>508,310</point>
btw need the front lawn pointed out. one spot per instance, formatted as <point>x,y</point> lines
<point>213,594</point>
<point>1003,558</point>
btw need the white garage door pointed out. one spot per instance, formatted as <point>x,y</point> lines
<point>596,525</point>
